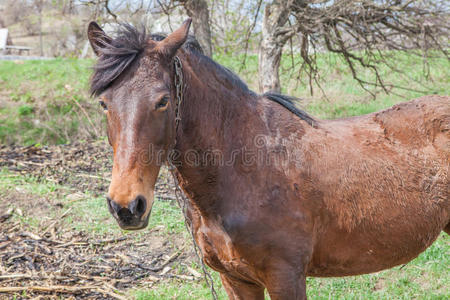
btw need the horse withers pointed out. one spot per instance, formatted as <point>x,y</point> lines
<point>274,195</point>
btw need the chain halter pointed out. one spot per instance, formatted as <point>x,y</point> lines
<point>179,195</point>
<point>179,92</point>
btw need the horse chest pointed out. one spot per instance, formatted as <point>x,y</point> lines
<point>219,252</point>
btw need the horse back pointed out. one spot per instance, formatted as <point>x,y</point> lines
<point>420,123</point>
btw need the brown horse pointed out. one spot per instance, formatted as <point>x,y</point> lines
<point>274,194</point>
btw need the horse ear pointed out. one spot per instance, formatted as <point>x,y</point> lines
<point>97,37</point>
<point>173,41</point>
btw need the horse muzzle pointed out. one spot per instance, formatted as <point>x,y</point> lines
<point>131,217</point>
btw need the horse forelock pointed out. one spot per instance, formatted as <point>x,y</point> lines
<point>118,54</point>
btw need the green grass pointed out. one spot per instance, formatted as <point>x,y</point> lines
<point>38,102</point>
<point>21,183</point>
<point>181,290</point>
<point>426,277</point>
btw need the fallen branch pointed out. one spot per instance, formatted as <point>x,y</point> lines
<point>114,240</point>
<point>180,276</point>
<point>15,276</point>
<point>31,235</point>
<point>92,176</point>
<point>165,263</point>
<point>54,288</point>
<point>24,162</point>
<point>74,242</point>
<point>59,289</point>
<point>56,221</point>
<point>7,215</point>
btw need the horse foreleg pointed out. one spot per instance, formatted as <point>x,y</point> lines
<point>286,285</point>
<point>241,290</point>
<point>447,229</point>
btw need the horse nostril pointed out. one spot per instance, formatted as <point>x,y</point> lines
<point>138,206</point>
<point>112,205</point>
<point>125,215</point>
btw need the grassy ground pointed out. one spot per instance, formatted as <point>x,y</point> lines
<point>46,102</point>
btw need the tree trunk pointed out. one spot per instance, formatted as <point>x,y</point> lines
<point>269,65</point>
<point>41,45</point>
<point>39,5</point>
<point>274,37</point>
<point>199,12</point>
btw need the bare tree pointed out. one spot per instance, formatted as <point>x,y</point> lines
<point>199,12</point>
<point>66,6</point>
<point>100,7</point>
<point>39,6</point>
<point>275,34</point>
<point>232,24</point>
<point>359,31</point>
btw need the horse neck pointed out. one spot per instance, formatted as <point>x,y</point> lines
<point>212,97</point>
<point>212,94</point>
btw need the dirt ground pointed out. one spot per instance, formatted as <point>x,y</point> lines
<point>82,166</point>
<point>50,259</point>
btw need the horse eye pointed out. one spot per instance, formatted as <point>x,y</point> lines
<point>163,102</point>
<point>103,105</point>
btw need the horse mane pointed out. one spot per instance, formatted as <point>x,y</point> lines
<point>119,53</point>
<point>288,103</point>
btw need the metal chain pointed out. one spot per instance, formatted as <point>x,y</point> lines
<point>182,200</point>
<point>182,203</point>
<point>179,90</point>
